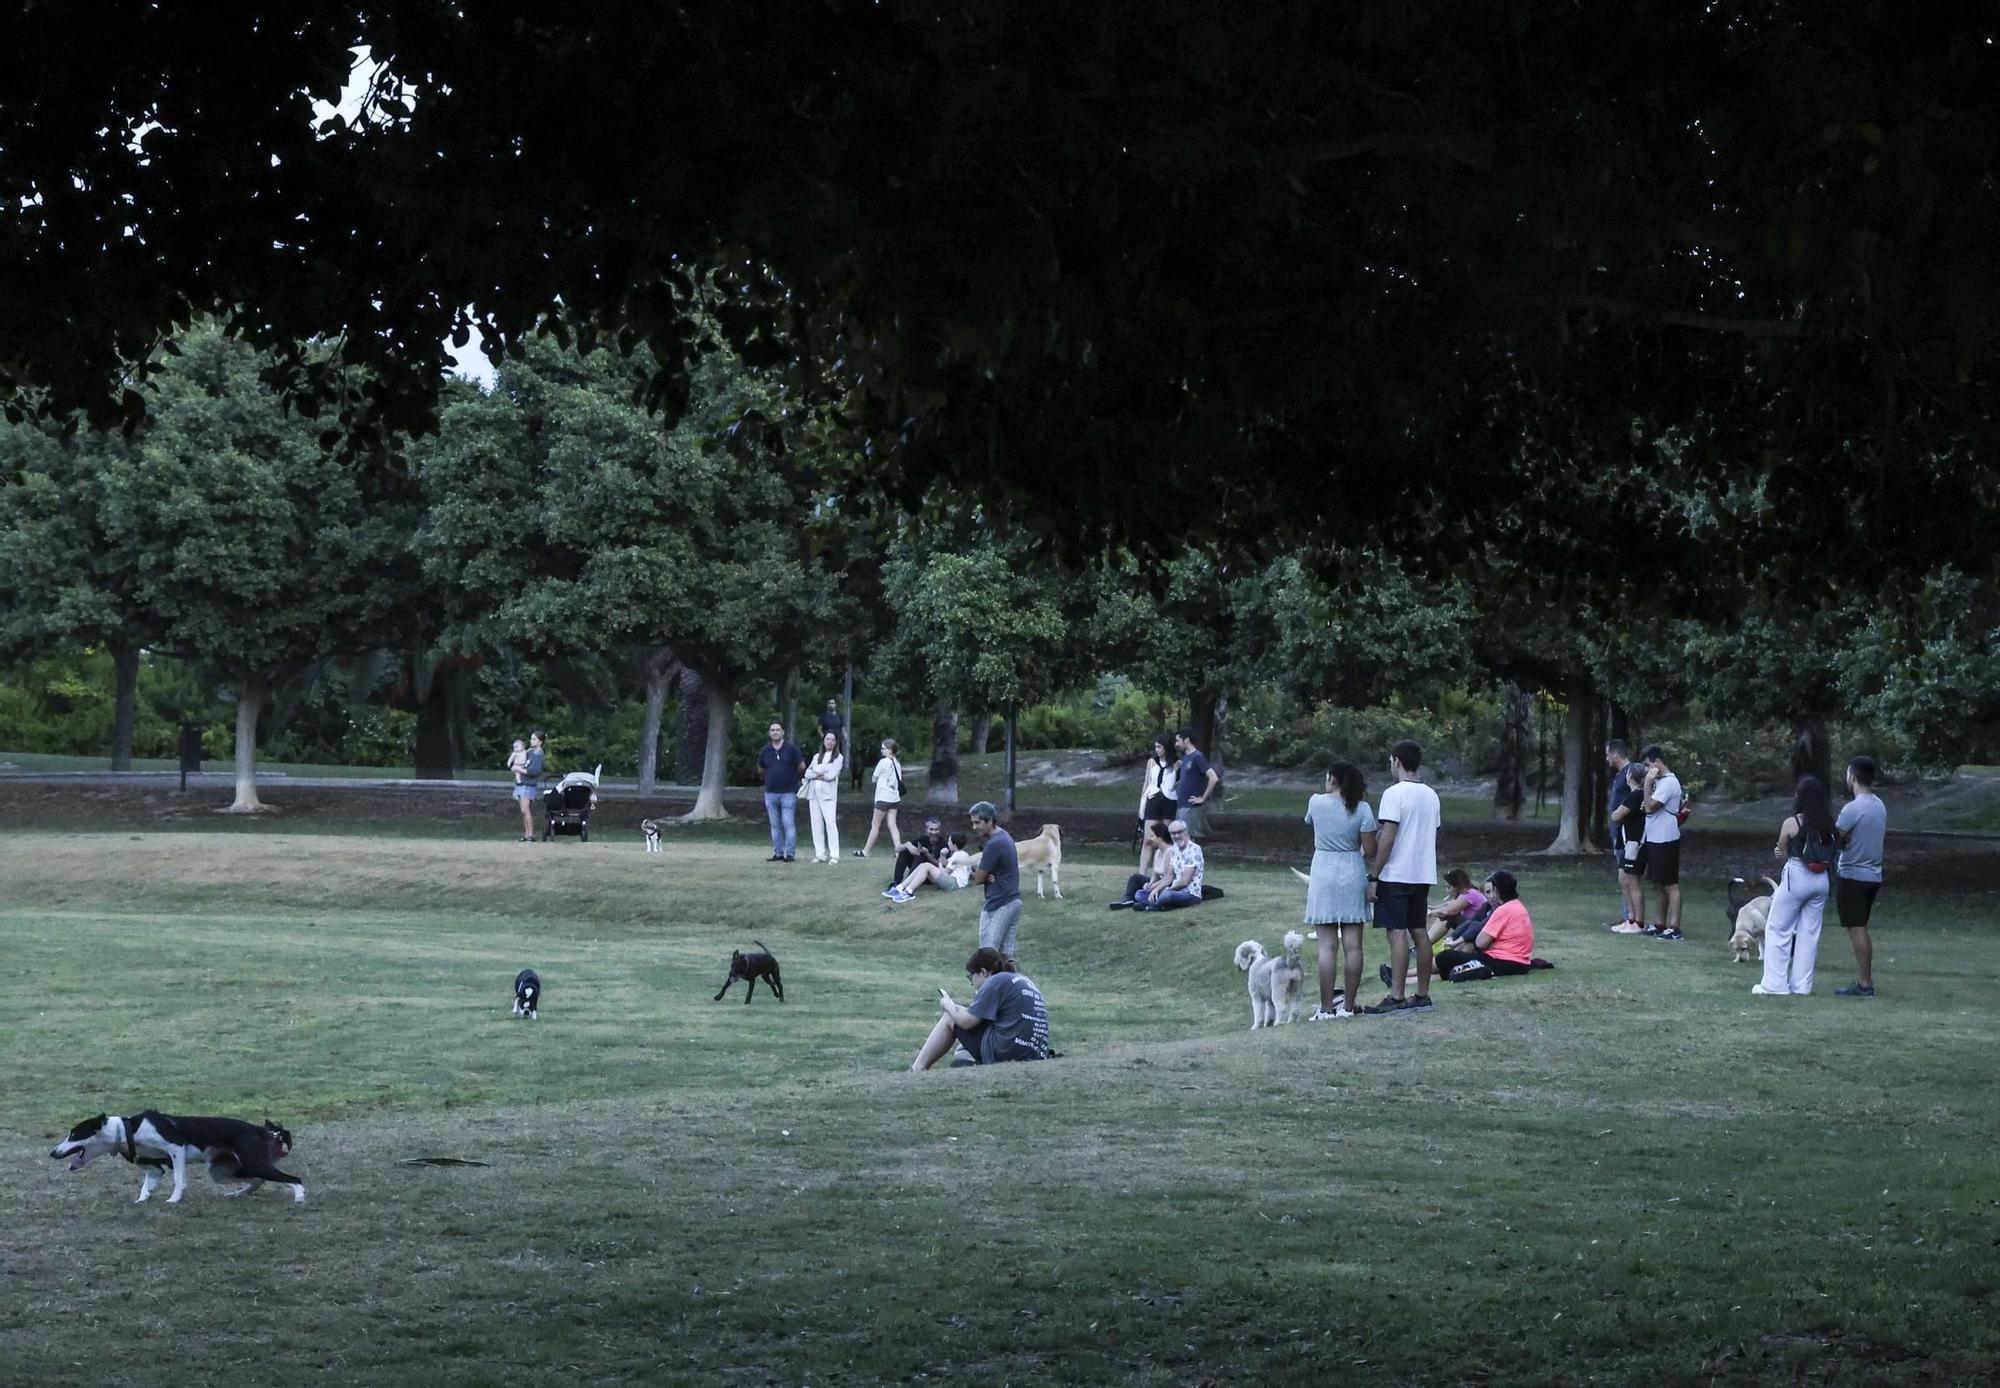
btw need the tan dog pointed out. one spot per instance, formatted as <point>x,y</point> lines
<point>1747,919</point>
<point>1043,853</point>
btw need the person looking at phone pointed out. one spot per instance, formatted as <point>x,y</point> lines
<point>1006,1020</point>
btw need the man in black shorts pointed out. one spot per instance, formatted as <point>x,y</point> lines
<point>1402,875</point>
<point>1662,805</point>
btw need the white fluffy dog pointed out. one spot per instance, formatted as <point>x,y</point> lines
<point>1275,984</point>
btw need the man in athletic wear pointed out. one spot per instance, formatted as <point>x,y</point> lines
<point>1620,793</point>
<point>1402,875</point>
<point>1663,841</point>
<point>1862,824</point>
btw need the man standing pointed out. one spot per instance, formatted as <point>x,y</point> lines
<point>1862,825</point>
<point>830,721</point>
<point>1402,875</point>
<point>927,848</point>
<point>1663,841</point>
<point>1179,881</point>
<point>784,767</point>
<point>999,871</point>
<point>1616,760</point>
<point>1198,781</point>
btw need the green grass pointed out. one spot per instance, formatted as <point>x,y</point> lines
<point>1627,1170</point>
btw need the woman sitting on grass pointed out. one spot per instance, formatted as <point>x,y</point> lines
<point>1504,944</point>
<point>1007,1019</point>
<point>1458,914</point>
<point>1155,844</point>
<point>950,875</point>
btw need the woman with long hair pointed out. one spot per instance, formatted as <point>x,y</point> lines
<point>1807,846</point>
<point>1156,797</point>
<point>1337,890</point>
<point>822,792</point>
<point>1006,1020</point>
<point>888,795</point>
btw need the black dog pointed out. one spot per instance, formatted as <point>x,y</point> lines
<point>527,993</point>
<point>750,968</point>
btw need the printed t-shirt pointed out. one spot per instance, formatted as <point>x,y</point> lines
<point>1182,858</point>
<point>1016,1016</point>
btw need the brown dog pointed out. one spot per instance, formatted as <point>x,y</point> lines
<point>1043,853</point>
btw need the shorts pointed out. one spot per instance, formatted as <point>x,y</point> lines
<point>1402,906</point>
<point>888,804</point>
<point>946,882</point>
<point>1635,864</point>
<point>526,792</point>
<point>1853,902</point>
<point>1663,863</point>
<point>1000,925</point>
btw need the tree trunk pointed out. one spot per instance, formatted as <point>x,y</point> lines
<point>715,761</point>
<point>982,729</point>
<point>125,659</point>
<point>659,670</point>
<point>944,755</point>
<point>1596,824</point>
<point>1210,709</point>
<point>788,706</point>
<point>692,754</point>
<point>1508,789</point>
<point>250,693</point>
<point>1621,726</point>
<point>1576,737</point>
<point>434,751</point>
<point>1812,753</point>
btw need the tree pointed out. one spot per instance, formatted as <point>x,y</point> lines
<point>64,580</point>
<point>248,538</point>
<point>575,522</point>
<point>1294,267</point>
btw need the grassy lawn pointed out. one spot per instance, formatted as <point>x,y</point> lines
<point>1626,1170</point>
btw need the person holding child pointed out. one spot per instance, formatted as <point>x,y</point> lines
<point>526,763</point>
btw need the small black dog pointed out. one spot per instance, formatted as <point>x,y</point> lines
<point>750,968</point>
<point>527,993</point>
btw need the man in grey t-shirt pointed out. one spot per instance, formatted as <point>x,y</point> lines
<point>1862,826</point>
<point>999,871</point>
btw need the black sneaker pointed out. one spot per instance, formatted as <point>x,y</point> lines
<point>775,858</point>
<point>1388,979</point>
<point>1388,1007</point>
<point>1125,905</point>
<point>1420,1003</point>
<point>1855,990</point>
<point>1668,932</point>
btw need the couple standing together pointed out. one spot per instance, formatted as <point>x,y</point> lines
<point>1373,863</point>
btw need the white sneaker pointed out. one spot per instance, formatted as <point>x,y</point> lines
<point>1759,990</point>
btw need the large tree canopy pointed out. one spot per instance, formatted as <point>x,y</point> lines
<point>1313,268</point>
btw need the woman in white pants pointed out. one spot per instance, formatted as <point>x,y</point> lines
<point>822,788</point>
<point>1806,845</point>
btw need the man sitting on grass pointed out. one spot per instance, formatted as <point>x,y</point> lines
<point>1179,884</point>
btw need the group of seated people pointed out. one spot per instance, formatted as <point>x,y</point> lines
<point>930,860</point>
<point>1170,873</point>
<point>1480,932</point>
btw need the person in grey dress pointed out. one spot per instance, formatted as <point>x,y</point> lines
<point>1337,891</point>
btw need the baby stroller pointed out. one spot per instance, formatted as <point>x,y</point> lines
<point>566,804</point>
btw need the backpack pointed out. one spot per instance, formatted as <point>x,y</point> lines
<point>1816,854</point>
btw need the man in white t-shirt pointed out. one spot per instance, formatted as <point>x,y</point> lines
<point>1662,806</point>
<point>1403,873</point>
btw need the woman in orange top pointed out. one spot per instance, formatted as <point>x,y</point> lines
<point>1505,943</point>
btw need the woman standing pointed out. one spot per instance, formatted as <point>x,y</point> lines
<point>1806,846</point>
<point>888,795</point>
<point>1337,892</point>
<point>822,788</point>
<point>528,785</point>
<point>1156,799</point>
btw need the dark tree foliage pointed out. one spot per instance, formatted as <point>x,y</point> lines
<point>1309,270</point>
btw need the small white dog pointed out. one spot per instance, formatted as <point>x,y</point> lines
<point>651,829</point>
<point>1747,919</point>
<point>1275,983</point>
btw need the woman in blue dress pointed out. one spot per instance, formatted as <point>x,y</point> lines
<point>1337,891</point>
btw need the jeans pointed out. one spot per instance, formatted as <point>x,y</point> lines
<point>1167,899</point>
<point>782,808</point>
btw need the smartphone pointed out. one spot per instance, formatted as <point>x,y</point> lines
<point>944,995</point>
